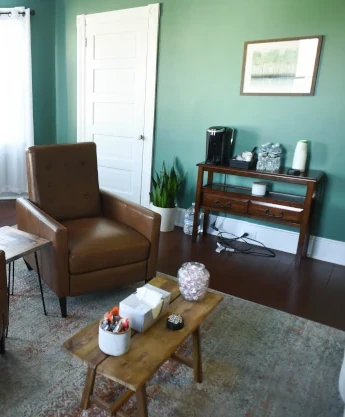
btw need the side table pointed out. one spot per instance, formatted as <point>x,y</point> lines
<point>16,244</point>
<point>281,208</point>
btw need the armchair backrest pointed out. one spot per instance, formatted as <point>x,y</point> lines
<point>63,180</point>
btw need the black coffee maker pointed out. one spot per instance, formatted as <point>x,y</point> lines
<point>219,145</point>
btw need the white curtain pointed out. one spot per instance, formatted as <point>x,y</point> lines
<point>16,115</point>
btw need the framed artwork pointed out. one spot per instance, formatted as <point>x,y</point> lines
<point>281,66</point>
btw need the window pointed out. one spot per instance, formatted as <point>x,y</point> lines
<point>16,119</point>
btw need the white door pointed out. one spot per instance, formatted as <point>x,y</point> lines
<point>117,112</point>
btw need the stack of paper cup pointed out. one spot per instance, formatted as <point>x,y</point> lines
<point>259,189</point>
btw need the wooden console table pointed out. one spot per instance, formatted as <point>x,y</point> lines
<point>288,209</point>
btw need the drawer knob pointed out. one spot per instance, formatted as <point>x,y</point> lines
<point>267,212</point>
<point>227,206</point>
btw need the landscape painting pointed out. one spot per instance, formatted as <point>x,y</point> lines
<point>281,66</point>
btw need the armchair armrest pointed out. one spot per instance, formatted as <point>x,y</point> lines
<point>139,218</point>
<point>54,258</point>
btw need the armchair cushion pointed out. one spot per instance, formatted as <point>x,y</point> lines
<point>98,243</point>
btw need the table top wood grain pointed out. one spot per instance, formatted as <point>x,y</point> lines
<point>84,344</point>
<point>16,243</point>
<point>150,349</point>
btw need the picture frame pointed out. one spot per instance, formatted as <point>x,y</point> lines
<point>281,67</point>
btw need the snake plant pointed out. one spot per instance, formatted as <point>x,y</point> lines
<point>164,187</point>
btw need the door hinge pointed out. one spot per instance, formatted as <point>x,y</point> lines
<point>85,42</point>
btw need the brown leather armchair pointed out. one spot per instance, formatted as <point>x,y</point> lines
<point>3,301</point>
<point>99,241</point>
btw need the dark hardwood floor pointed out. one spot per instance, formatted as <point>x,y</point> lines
<point>316,291</point>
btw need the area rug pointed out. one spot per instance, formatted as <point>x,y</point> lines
<point>258,362</point>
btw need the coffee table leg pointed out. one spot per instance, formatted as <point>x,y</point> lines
<point>197,365</point>
<point>142,402</point>
<point>88,389</point>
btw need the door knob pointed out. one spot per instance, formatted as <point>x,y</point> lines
<point>141,137</point>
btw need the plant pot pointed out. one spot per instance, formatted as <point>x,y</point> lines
<point>168,217</point>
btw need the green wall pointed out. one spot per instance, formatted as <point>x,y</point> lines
<point>43,66</point>
<point>199,72</point>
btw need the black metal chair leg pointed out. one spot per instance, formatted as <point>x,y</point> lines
<point>12,292</point>
<point>8,294</point>
<point>28,265</point>
<point>9,279</point>
<point>40,284</point>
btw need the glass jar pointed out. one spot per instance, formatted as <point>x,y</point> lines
<point>193,278</point>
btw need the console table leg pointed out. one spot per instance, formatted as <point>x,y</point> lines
<point>306,243</point>
<point>304,231</point>
<point>142,402</point>
<point>207,212</point>
<point>88,389</point>
<point>206,220</point>
<point>197,203</point>
<point>300,246</point>
<point>197,364</point>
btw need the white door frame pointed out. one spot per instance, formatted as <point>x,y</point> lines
<point>153,11</point>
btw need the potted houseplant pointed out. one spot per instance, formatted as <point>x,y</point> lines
<point>163,196</point>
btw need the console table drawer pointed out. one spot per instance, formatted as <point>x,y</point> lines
<point>225,204</point>
<point>271,212</point>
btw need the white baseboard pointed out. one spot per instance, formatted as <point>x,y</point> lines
<point>275,238</point>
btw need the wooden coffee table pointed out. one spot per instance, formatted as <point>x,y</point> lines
<point>148,351</point>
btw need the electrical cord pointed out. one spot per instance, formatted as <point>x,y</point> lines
<point>240,244</point>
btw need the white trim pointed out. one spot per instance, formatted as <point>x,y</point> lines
<point>153,13</point>
<point>81,56</point>
<point>150,101</point>
<point>327,250</point>
<point>117,14</point>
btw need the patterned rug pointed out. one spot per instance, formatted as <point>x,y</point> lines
<point>258,362</point>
